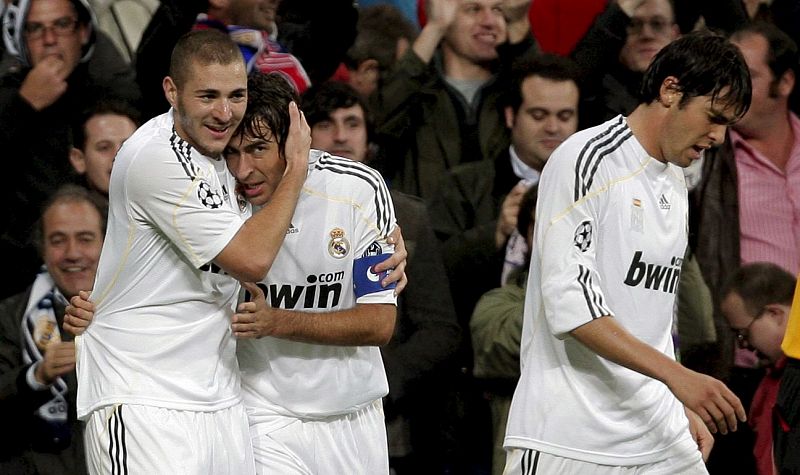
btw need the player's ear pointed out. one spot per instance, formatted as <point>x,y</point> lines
<point>170,90</point>
<point>508,113</point>
<point>78,160</point>
<point>670,92</point>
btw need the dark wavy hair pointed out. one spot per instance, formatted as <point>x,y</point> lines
<point>321,100</point>
<point>705,64</point>
<point>267,113</point>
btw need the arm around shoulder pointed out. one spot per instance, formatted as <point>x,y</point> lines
<point>251,252</point>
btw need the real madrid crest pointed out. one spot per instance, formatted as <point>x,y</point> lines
<point>45,332</point>
<point>338,246</point>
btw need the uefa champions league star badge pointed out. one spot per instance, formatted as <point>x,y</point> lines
<point>338,246</point>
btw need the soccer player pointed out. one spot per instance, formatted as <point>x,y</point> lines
<point>600,388</point>
<point>312,373</point>
<point>158,381</point>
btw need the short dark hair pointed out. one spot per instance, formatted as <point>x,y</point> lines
<point>101,107</point>
<point>781,49</point>
<point>546,65</point>
<point>267,113</point>
<point>321,100</point>
<point>705,64</point>
<point>70,193</point>
<point>760,284</point>
<point>379,29</point>
<point>204,47</point>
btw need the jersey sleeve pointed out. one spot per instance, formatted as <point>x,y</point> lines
<point>566,237</point>
<point>374,221</point>
<point>184,201</point>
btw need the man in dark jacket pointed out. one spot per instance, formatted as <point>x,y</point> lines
<point>52,40</point>
<point>37,359</point>
<point>439,106</point>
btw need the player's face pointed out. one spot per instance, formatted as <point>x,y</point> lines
<point>762,332</point>
<point>257,165</point>
<point>104,136</point>
<point>52,30</point>
<point>73,238</point>
<point>343,133</point>
<point>652,27</point>
<point>479,26</point>
<point>692,128</point>
<point>547,115</point>
<point>210,105</point>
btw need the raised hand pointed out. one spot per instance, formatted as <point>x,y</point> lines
<point>45,83</point>
<point>79,313</point>
<point>59,359</point>
<point>507,220</point>
<point>298,141</point>
<point>396,262</point>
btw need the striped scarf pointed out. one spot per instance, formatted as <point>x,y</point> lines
<point>40,329</point>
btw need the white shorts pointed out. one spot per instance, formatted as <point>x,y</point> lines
<point>133,439</point>
<point>349,444</point>
<point>530,462</point>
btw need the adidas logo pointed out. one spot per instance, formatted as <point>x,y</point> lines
<point>663,203</point>
<point>292,229</point>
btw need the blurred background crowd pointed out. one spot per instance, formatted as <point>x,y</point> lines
<point>458,103</point>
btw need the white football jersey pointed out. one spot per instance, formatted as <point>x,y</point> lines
<point>338,232</point>
<point>609,239</point>
<point>161,333</point>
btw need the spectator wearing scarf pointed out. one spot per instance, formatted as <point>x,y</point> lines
<point>37,376</point>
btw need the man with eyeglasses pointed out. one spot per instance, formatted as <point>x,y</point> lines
<point>616,51</point>
<point>757,303</point>
<point>747,201</point>
<point>53,41</point>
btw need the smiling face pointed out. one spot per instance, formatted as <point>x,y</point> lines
<point>547,115</point>
<point>478,28</point>
<point>209,105</point>
<point>72,239</point>
<point>256,163</point>
<point>652,27</point>
<point>66,47</point>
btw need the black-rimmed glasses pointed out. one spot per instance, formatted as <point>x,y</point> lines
<point>743,334</point>
<point>62,27</point>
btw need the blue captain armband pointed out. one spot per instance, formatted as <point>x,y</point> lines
<point>365,281</point>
